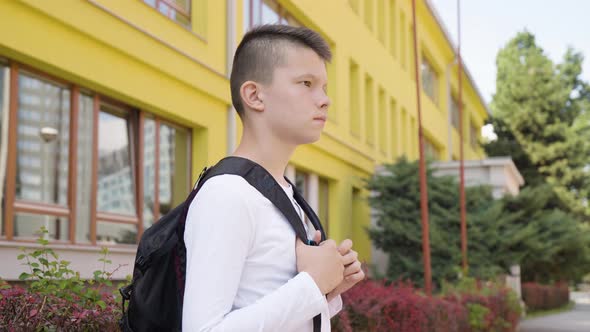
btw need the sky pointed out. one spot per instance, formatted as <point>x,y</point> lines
<point>487,25</point>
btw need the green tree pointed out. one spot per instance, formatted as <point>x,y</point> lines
<point>530,229</point>
<point>544,109</point>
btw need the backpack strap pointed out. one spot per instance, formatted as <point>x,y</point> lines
<point>259,178</point>
<point>309,212</point>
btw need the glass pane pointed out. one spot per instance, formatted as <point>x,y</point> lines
<point>4,85</point>
<point>169,9</point>
<point>256,10</point>
<point>149,171</point>
<point>43,141</point>
<point>183,5</point>
<point>301,183</point>
<point>429,81</point>
<point>324,201</point>
<point>270,12</point>
<point>28,226</point>
<point>115,175</point>
<point>115,233</point>
<point>455,119</point>
<point>474,135</point>
<point>84,168</point>
<point>174,181</point>
<point>246,20</point>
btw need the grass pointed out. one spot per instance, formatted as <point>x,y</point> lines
<point>542,313</point>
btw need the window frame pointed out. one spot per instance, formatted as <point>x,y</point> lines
<point>186,14</point>
<point>136,119</point>
<point>435,98</point>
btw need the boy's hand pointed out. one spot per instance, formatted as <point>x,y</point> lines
<point>353,272</point>
<point>323,263</point>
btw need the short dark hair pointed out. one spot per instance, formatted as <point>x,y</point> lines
<point>262,50</point>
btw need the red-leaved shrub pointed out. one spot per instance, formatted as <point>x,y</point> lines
<point>399,307</point>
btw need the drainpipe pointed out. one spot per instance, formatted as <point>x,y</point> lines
<point>230,49</point>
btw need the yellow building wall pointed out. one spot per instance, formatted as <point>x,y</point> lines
<point>346,158</point>
<point>128,51</point>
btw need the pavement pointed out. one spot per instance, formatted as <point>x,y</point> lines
<point>576,320</point>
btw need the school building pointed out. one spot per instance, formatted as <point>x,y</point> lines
<point>109,110</point>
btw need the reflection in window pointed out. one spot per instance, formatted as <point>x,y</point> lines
<point>174,176</point>
<point>28,226</point>
<point>149,171</point>
<point>108,233</point>
<point>455,118</point>
<point>115,175</point>
<point>429,80</point>
<point>324,203</point>
<point>258,12</point>
<point>270,12</point>
<point>474,136</point>
<point>42,141</point>
<point>84,168</point>
<point>4,85</point>
<point>430,149</point>
<point>177,10</point>
<point>302,183</point>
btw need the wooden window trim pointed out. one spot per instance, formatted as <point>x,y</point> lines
<point>13,206</point>
<point>157,171</point>
<point>73,160</point>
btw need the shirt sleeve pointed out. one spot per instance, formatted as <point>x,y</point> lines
<point>218,236</point>
<point>335,306</point>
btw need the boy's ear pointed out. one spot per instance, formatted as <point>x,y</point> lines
<point>251,96</point>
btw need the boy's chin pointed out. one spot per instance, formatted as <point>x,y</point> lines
<point>309,139</point>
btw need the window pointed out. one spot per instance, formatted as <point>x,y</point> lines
<point>392,29</point>
<point>4,92</point>
<point>394,129</point>
<point>474,136</point>
<point>369,13</point>
<point>302,183</point>
<point>369,112</point>
<point>258,12</point>
<point>177,10</point>
<point>381,21</point>
<point>76,164</point>
<point>324,204</point>
<point>383,128</point>
<point>430,149</point>
<point>354,100</point>
<point>455,116</point>
<point>116,185</point>
<point>429,80</point>
<point>403,40</point>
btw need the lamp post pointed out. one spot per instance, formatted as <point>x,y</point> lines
<point>48,135</point>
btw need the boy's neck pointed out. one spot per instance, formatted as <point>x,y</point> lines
<point>273,156</point>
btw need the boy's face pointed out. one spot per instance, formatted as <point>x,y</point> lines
<point>296,103</point>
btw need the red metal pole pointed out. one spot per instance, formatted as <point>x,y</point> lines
<point>423,184</point>
<point>461,156</point>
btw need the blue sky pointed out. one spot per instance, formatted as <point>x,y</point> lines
<point>487,25</point>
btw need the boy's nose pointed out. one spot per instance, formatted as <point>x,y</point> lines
<point>325,102</point>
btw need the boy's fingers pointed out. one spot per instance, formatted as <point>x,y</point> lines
<point>317,237</point>
<point>345,247</point>
<point>350,257</point>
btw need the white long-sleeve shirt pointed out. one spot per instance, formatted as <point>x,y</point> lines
<point>241,272</point>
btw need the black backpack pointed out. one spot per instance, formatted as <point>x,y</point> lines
<point>156,292</point>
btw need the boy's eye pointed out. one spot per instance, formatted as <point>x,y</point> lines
<point>307,83</point>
